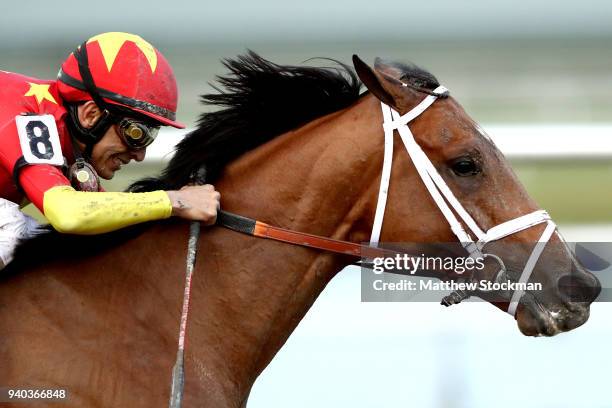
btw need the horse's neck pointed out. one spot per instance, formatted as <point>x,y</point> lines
<point>315,179</point>
<point>311,179</point>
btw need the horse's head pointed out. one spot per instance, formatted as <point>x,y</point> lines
<point>491,204</point>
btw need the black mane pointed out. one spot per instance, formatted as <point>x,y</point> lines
<point>259,100</point>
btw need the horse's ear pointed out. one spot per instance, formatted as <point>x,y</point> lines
<point>389,71</point>
<point>374,81</point>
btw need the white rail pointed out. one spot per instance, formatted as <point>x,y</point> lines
<point>520,141</point>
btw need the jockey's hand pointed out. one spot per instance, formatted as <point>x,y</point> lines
<point>199,203</point>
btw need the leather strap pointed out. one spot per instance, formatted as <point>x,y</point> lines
<point>260,229</point>
<point>90,86</point>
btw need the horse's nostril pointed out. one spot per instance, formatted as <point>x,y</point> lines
<point>579,287</point>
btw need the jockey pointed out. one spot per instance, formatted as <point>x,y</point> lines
<point>110,98</point>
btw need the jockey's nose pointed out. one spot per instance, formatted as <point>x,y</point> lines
<point>138,155</point>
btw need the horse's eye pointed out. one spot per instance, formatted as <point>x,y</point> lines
<point>465,166</point>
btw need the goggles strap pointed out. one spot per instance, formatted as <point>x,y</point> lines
<point>90,136</point>
<point>83,61</point>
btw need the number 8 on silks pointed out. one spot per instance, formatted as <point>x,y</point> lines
<point>39,139</point>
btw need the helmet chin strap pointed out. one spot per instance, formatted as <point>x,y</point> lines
<point>88,136</point>
<point>448,203</point>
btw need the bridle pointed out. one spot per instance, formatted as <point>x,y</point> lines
<point>448,204</point>
<point>473,242</point>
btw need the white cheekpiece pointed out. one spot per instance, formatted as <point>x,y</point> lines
<point>475,238</point>
<point>15,226</point>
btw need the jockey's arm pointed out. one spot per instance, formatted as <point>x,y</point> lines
<point>77,212</point>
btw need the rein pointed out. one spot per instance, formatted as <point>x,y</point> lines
<point>260,229</point>
<point>178,371</point>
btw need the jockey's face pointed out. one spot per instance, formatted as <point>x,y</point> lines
<point>110,153</point>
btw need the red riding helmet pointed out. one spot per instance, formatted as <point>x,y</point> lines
<point>123,70</point>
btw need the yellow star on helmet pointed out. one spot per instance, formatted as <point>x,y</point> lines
<point>111,43</point>
<point>40,92</point>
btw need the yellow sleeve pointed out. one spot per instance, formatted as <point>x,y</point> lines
<point>79,212</point>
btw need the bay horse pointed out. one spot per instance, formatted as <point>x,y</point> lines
<point>297,147</point>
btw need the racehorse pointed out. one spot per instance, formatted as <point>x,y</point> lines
<point>297,147</point>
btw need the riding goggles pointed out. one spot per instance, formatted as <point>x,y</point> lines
<point>137,134</point>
